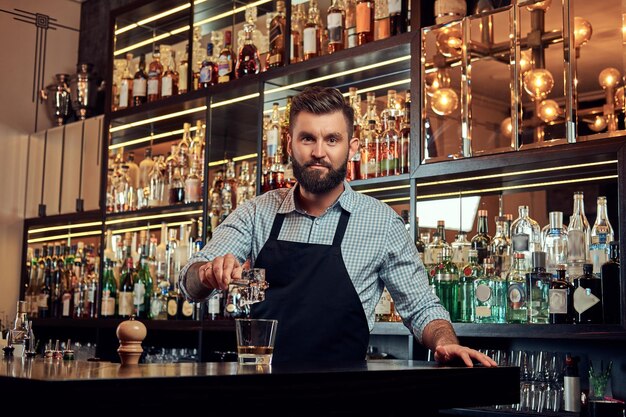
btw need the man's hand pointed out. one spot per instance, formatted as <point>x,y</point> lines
<point>218,273</point>
<point>451,352</point>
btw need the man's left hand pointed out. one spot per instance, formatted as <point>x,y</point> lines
<point>452,352</point>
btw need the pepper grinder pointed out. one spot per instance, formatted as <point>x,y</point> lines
<point>130,334</point>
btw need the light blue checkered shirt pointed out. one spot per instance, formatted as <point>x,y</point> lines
<point>376,249</point>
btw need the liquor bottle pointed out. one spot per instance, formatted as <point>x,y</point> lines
<point>278,26</point>
<point>193,185</point>
<point>398,16</point>
<point>109,291</point>
<point>389,147</point>
<point>298,21</point>
<point>132,171</point>
<point>145,168</point>
<point>336,21</point>
<point>609,273</point>
<point>243,183</point>
<point>312,33</point>
<point>587,297</point>
<point>57,277</point>
<point>525,235</point>
<point>419,243</point>
<point>578,237</point>
<point>601,235</point>
<point>177,188</point>
<point>142,289</point>
<point>183,69</point>
<point>490,296</point>
<point>460,249</point>
<point>230,180</point>
<point>155,72</point>
<point>435,248</point>
<point>272,135</point>
<point>481,240</point>
<point>173,302</point>
<point>501,247</point>
<point>555,244</point>
<point>446,283</point>
<point>404,139</point>
<point>126,85</point>
<point>92,290</point>
<point>172,244</point>
<point>538,287</point>
<point>370,168</point>
<point>561,306</point>
<point>385,310</point>
<point>140,83</point>
<point>43,300</point>
<point>517,309</point>
<point>127,284</point>
<point>78,286</point>
<point>364,21</point>
<point>170,78</point>
<point>248,61</point>
<point>225,62</point>
<point>571,385</point>
<point>208,69</point>
<point>31,293</point>
<point>469,273</point>
<point>381,20</point>
<point>214,305</point>
<point>66,288</point>
<point>350,31</point>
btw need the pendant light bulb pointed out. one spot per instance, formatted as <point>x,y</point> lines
<point>599,124</point>
<point>538,83</point>
<point>582,31</point>
<point>506,127</point>
<point>525,62</point>
<point>549,110</point>
<point>450,42</point>
<point>444,101</point>
<point>609,77</point>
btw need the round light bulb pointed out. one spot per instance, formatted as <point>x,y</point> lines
<point>525,62</point>
<point>435,80</point>
<point>450,42</point>
<point>582,31</point>
<point>444,101</point>
<point>609,77</point>
<point>549,110</point>
<point>540,5</point>
<point>619,97</point>
<point>506,127</point>
<point>538,83</point>
<point>598,125</point>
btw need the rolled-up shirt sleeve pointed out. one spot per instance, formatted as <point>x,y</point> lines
<point>405,277</point>
<point>233,235</point>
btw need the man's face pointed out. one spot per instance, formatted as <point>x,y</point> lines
<point>320,149</point>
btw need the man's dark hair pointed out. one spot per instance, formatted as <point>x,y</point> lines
<point>321,100</point>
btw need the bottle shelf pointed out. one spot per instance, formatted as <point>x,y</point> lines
<point>224,325</point>
<point>492,412</point>
<point>160,213</point>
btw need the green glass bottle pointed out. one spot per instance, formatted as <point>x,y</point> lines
<point>517,311</point>
<point>469,274</point>
<point>142,289</point>
<point>538,284</point>
<point>446,283</point>
<point>109,291</point>
<point>490,296</point>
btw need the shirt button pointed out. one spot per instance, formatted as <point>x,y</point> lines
<point>317,222</point>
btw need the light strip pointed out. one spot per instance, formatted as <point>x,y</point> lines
<point>66,236</point>
<point>152,217</point>
<point>514,187</point>
<point>230,12</point>
<point>391,188</point>
<point>153,18</point>
<point>508,174</point>
<point>147,227</point>
<point>338,74</point>
<point>395,200</point>
<point>149,138</point>
<point>234,100</point>
<point>217,163</point>
<point>64,227</point>
<point>157,119</point>
<point>244,157</point>
<point>150,40</point>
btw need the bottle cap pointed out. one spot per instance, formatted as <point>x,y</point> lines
<point>556,219</point>
<point>588,268</point>
<point>539,259</point>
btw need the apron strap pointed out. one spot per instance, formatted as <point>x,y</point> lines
<point>277,225</point>
<point>341,228</point>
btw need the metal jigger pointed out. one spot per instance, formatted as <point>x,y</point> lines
<point>59,99</point>
<point>83,91</point>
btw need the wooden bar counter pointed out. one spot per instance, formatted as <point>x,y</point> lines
<point>376,387</point>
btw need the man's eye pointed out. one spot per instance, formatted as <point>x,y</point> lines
<point>332,140</point>
<point>307,139</point>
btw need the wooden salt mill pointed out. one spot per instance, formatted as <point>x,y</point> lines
<point>130,334</point>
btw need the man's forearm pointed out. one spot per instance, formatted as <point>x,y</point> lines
<point>438,332</point>
<point>194,288</point>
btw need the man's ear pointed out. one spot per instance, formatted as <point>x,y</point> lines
<point>289,144</point>
<point>354,147</point>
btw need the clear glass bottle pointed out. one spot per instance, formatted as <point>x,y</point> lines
<point>578,237</point>
<point>481,241</point>
<point>388,152</point>
<point>127,284</point>
<point>208,69</point>
<point>298,21</point>
<point>193,185</point>
<point>501,247</point>
<point>157,196</point>
<point>109,291</point>
<point>126,85</point>
<point>555,244</point>
<point>517,309</point>
<point>336,22</point>
<point>155,72</point>
<point>491,295</point>
<point>461,249</point>
<point>435,248</point>
<point>248,61</point>
<point>601,235</point>
<point>588,297</point>
<point>183,68</point>
<point>225,61</point>
<point>170,78</point>
<point>469,273</point>
<point>525,235</point>
<point>145,168</point>
<point>177,188</point>
<point>446,283</point>
<point>404,139</point>
<point>561,291</point>
<point>538,284</point>
<point>312,33</point>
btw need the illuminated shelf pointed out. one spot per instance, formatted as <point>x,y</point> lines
<point>136,220</point>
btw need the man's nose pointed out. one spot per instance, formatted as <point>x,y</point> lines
<point>318,150</point>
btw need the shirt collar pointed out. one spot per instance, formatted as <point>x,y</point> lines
<point>347,200</point>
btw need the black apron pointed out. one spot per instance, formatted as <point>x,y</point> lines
<point>320,316</point>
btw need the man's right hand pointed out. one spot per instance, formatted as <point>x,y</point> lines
<point>218,273</point>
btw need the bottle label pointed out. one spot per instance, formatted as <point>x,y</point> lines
<point>125,304</point>
<point>153,87</point>
<point>139,291</point>
<point>224,67</point>
<point>139,87</point>
<point>363,16</point>
<point>483,293</point>
<point>124,96</point>
<point>108,304</point>
<point>272,142</point>
<point>187,309</point>
<point>172,307</point>
<point>335,29</point>
<point>310,40</point>
<point>483,311</point>
<point>214,304</point>
<point>558,301</point>
<point>206,73</point>
<point>66,301</point>
<point>576,245</point>
<point>395,6</point>
<point>182,78</point>
<point>520,242</point>
<point>516,294</point>
<point>584,299</point>
<point>156,304</point>
<point>166,86</point>
<point>352,37</point>
<point>598,257</point>
<point>445,276</point>
<point>276,36</point>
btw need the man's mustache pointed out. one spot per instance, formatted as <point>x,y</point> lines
<point>320,162</point>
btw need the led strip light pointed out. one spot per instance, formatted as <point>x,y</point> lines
<point>152,217</point>
<point>65,236</point>
<point>64,227</point>
<point>147,227</point>
<point>151,137</point>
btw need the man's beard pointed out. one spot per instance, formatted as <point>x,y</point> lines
<point>316,181</point>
